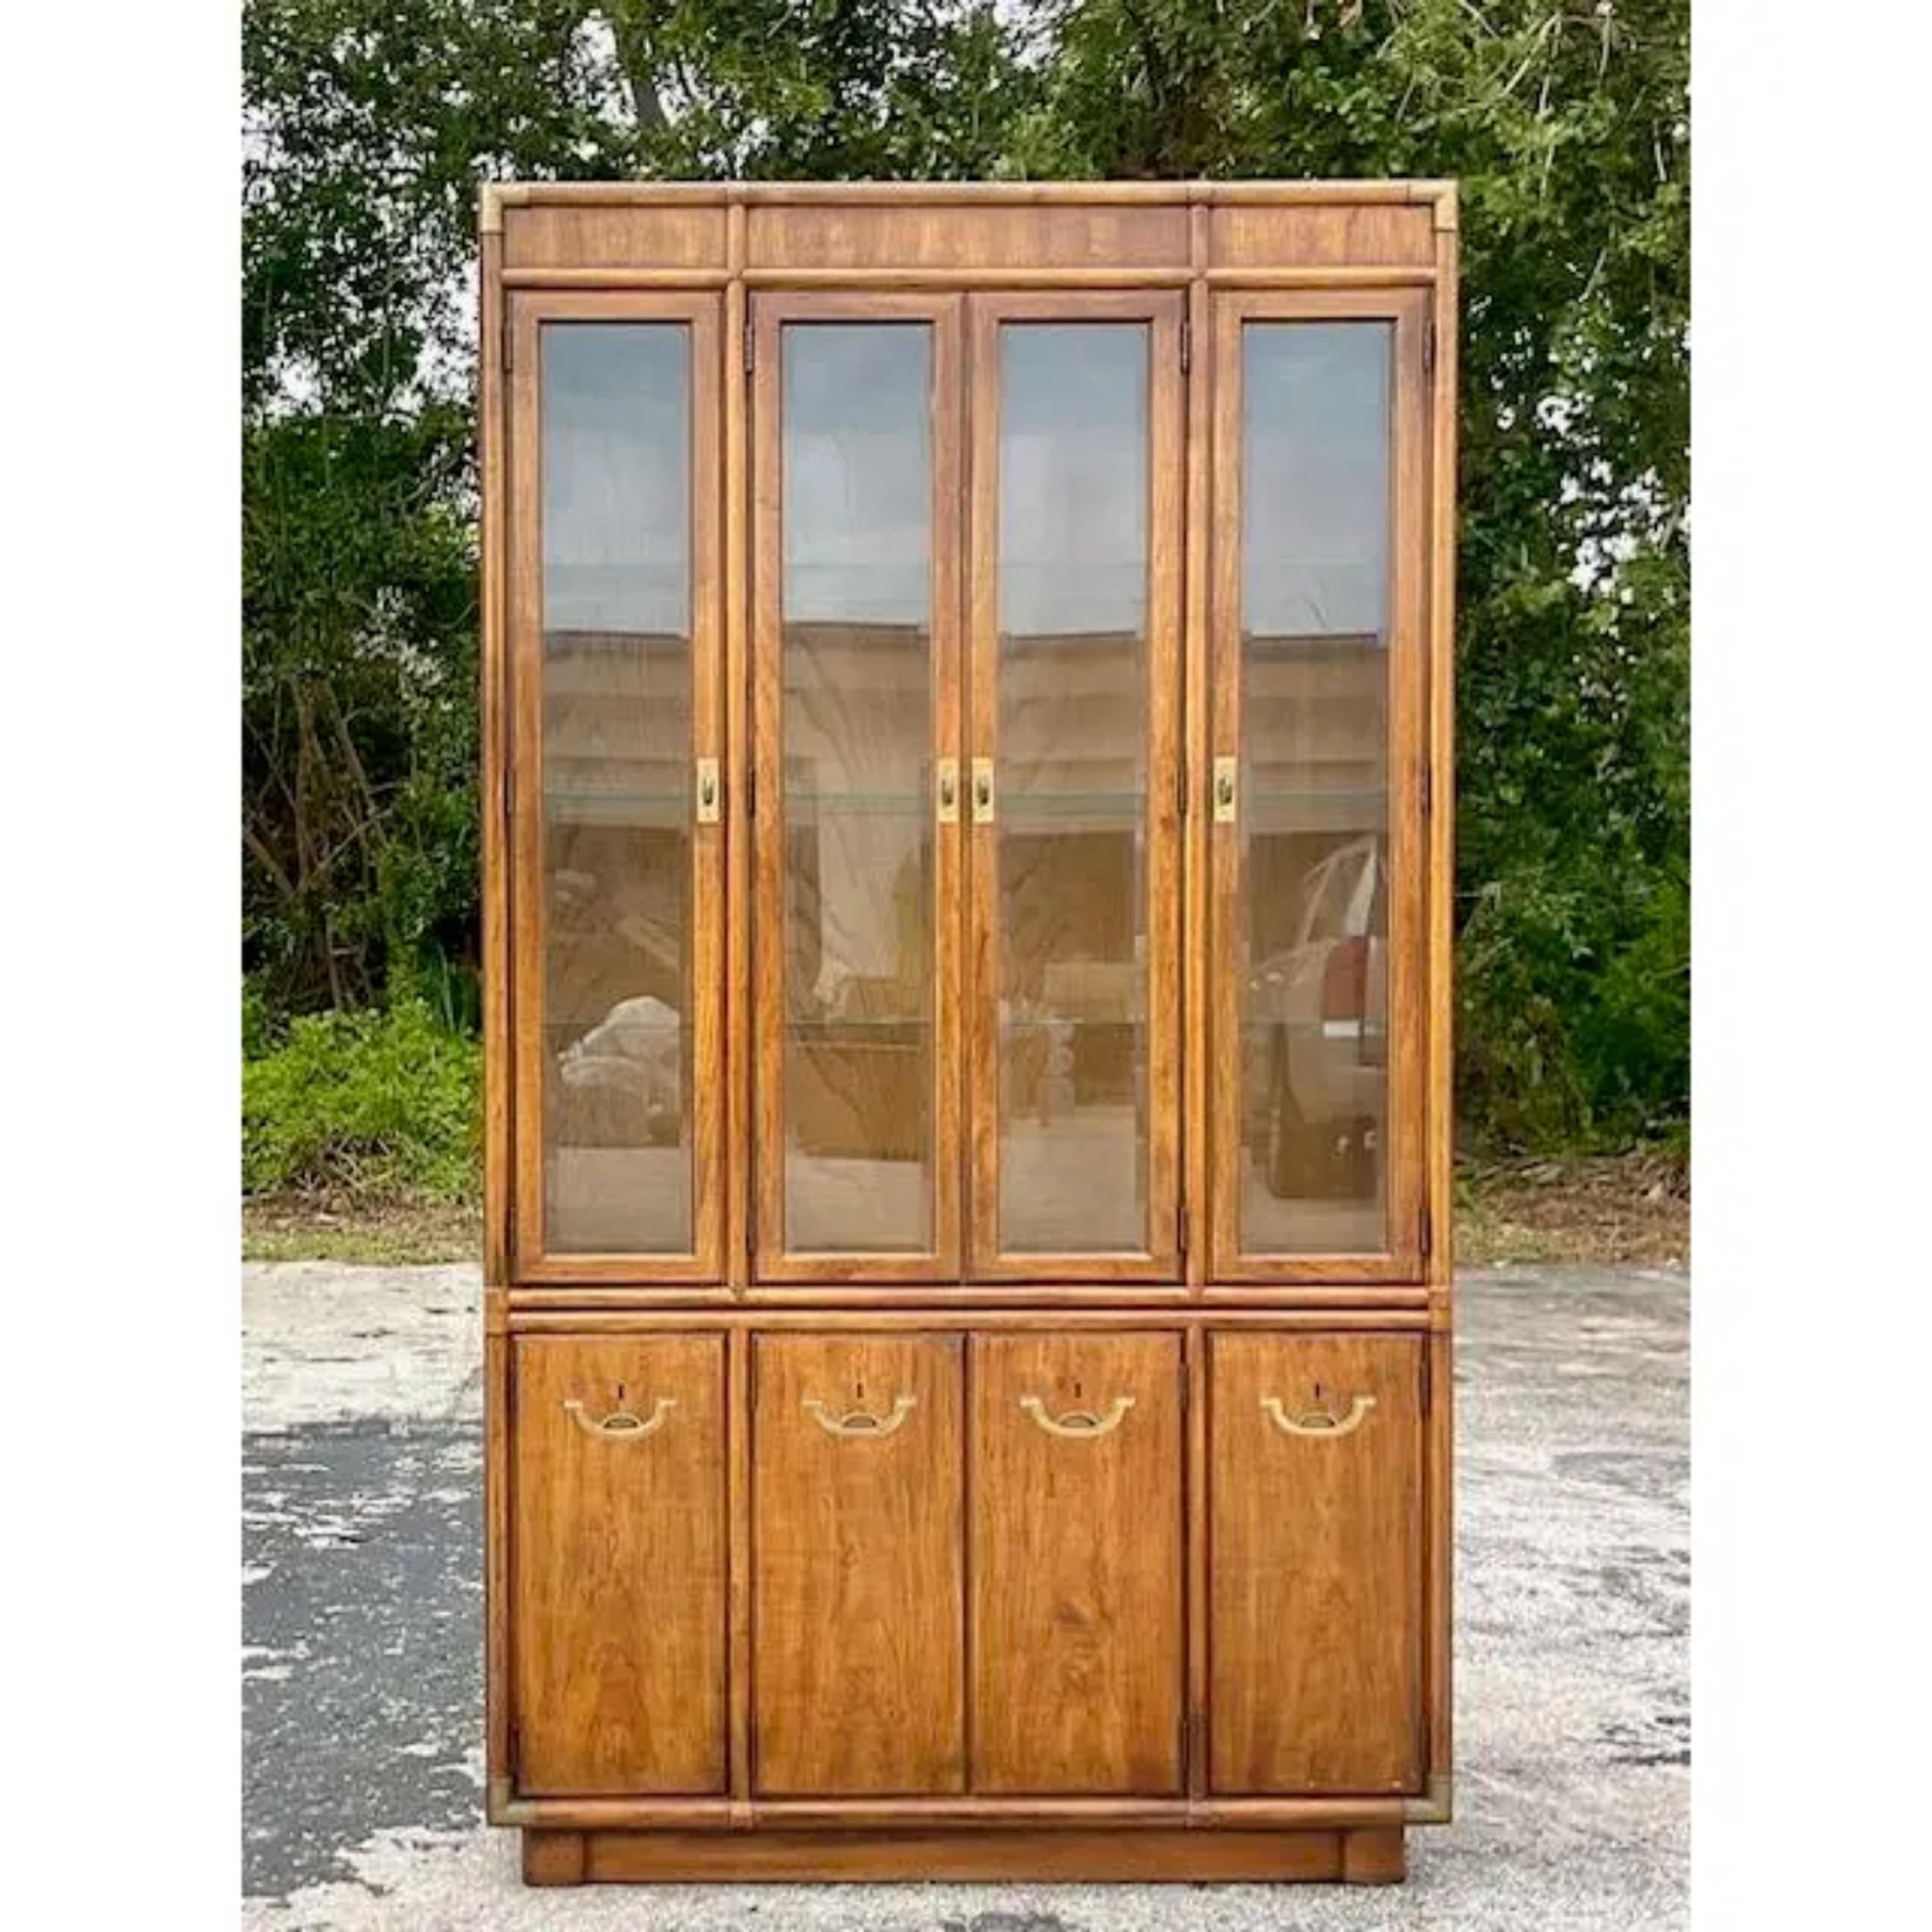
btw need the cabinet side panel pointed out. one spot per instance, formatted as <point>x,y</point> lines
<point>859,1588</point>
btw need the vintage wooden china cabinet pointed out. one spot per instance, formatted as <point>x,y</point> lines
<point>966,736</point>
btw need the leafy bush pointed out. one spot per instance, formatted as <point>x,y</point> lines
<point>382,1104</point>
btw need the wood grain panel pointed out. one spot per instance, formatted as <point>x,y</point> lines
<point>1058,237</point>
<point>618,1560</point>
<point>1338,235</point>
<point>858,1546</point>
<point>631,236</point>
<point>1316,1565</point>
<point>1076,1599</point>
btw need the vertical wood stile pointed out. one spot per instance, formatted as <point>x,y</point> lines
<point>738,1647</point>
<point>496,918</point>
<point>1195,765</point>
<point>1198,1556</point>
<point>1442,872</point>
<point>499,1771</point>
<point>737,829</point>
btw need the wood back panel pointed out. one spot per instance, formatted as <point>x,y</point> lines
<point>1316,1565</point>
<point>617,1565</point>
<point>857,1553</point>
<point>1076,1595</point>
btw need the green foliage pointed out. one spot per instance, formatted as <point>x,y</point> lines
<point>371,127</point>
<point>378,1105</point>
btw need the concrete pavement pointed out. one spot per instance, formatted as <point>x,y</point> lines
<point>362,1620</point>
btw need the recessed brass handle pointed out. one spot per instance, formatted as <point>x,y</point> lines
<point>621,1422</point>
<point>1082,1422</point>
<point>859,1421</point>
<point>1225,783</point>
<point>948,791</point>
<point>707,792</point>
<point>983,791</point>
<point>1317,1421</point>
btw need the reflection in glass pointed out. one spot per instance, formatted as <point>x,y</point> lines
<point>1072,788</point>
<point>859,884</point>
<point>617,760</point>
<point>1314,809</point>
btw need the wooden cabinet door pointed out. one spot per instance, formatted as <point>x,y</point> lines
<point>617,1565</point>
<point>1077,1647</point>
<point>1315,1577</point>
<point>1073,792</point>
<point>856,707</point>
<point>1317,847</point>
<point>858,1557</point>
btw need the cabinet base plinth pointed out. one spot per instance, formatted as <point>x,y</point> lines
<point>1367,1856</point>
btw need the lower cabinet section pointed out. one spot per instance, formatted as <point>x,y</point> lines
<point>617,1574</point>
<point>1316,1563</point>
<point>965,1571</point>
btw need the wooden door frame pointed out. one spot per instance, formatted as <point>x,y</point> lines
<point>1408,311</point>
<point>770,312</point>
<point>701,1269</point>
<point>1162,310</point>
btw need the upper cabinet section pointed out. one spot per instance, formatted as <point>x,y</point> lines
<point>966,736</point>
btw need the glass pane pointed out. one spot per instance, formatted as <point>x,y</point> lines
<point>617,765</point>
<point>1072,788</point>
<point>1313,924</point>
<point>858,700</point>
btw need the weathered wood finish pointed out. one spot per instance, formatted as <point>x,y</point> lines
<point>1315,1564</point>
<point>1188,1645</point>
<point>1076,1626</point>
<point>617,1552</point>
<point>858,1554</point>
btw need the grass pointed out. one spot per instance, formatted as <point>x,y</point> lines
<point>1609,1210</point>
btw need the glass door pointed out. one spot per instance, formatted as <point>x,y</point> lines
<point>1073,788</point>
<point>855,828</point>
<point>1315,954</point>
<point>616,863</point>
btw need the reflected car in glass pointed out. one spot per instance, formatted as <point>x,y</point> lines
<point>1319,1043</point>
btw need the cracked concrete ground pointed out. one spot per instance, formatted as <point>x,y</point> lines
<point>363,1616</point>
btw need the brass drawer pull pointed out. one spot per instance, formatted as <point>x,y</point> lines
<point>1316,1422</point>
<point>1078,1421</point>
<point>707,792</point>
<point>949,791</point>
<point>859,1421</point>
<point>621,1422</point>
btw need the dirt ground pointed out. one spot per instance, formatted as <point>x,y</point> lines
<point>1615,1210</point>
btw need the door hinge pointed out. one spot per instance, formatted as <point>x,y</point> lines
<point>751,791</point>
<point>1184,1232</point>
<point>750,347</point>
<point>1180,787</point>
<point>1428,792</point>
<point>1428,1375</point>
<point>1186,343</point>
<point>1429,345</point>
<point>507,795</point>
<point>509,340</point>
<point>517,1751</point>
<point>1428,1230</point>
